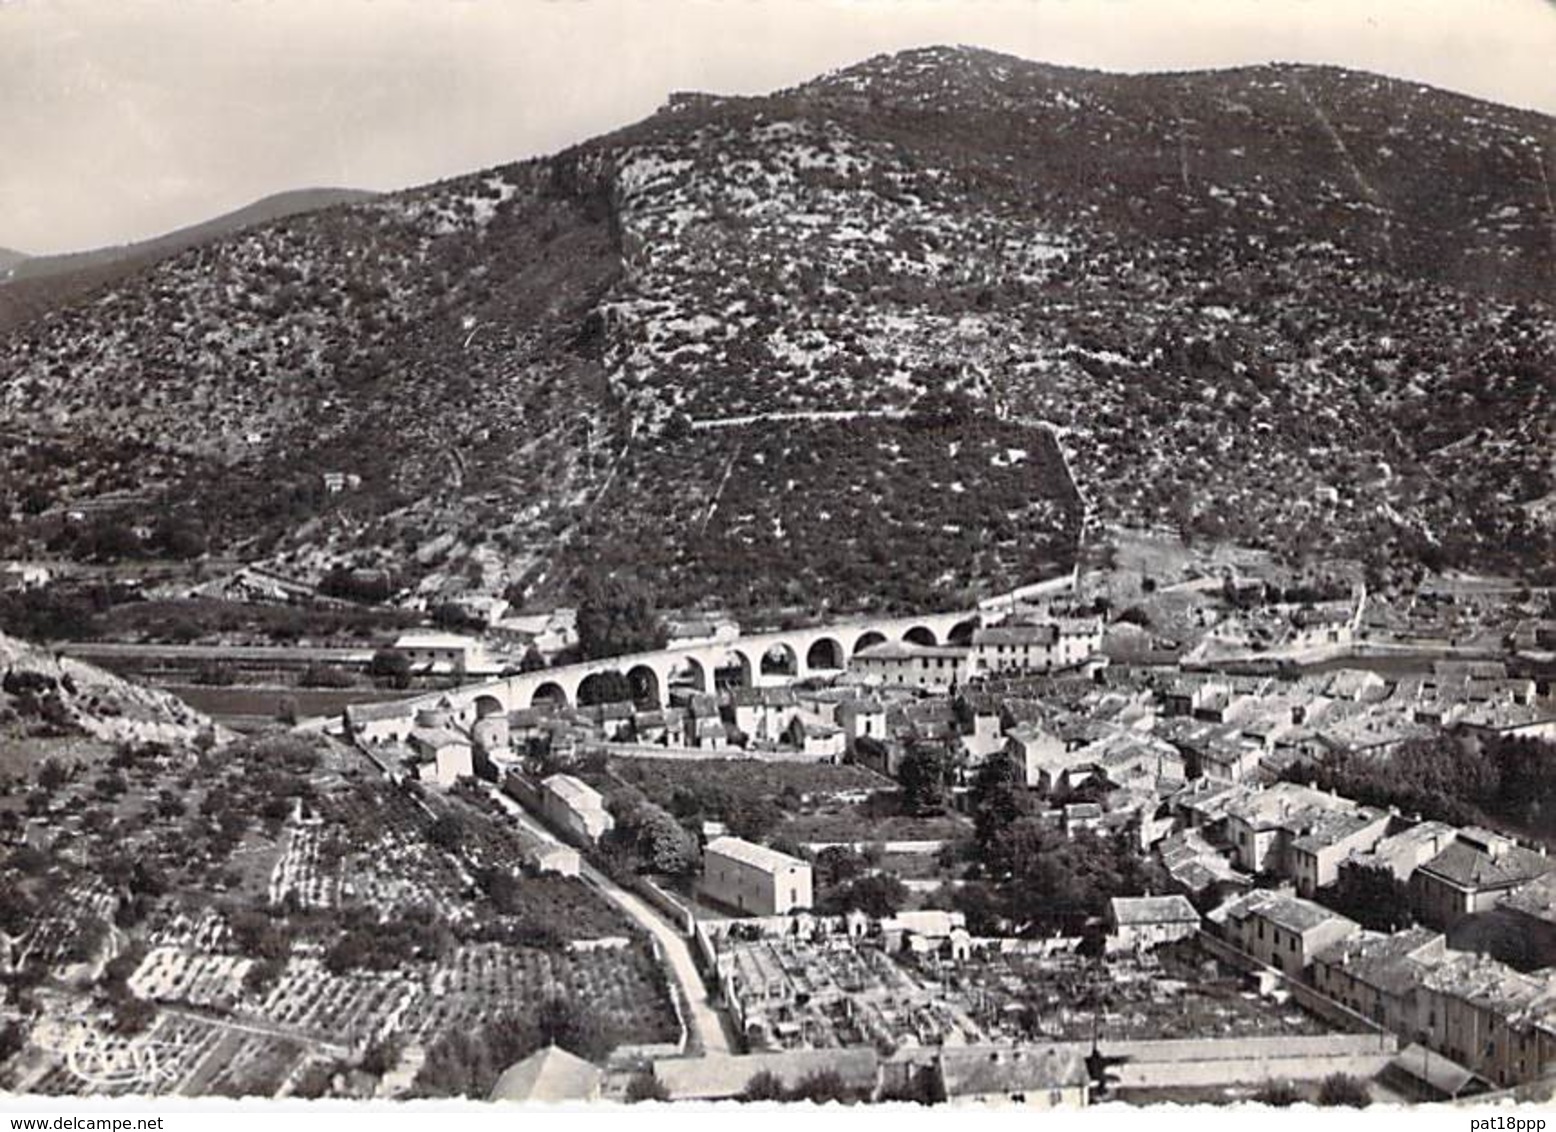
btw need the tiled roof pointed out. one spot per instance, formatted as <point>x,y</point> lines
<point>980,1071</point>
<point>1466,865</point>
<point>1130,910</point>
<point>749,853</point>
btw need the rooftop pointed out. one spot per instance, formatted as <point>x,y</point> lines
<point>550,1074</point>
<point>721,1076</point>
<point>1132,910</point>
<point>979,1070</point>
<point>1494,862</point>
<point>749,853</point>
<point>1040,635</point>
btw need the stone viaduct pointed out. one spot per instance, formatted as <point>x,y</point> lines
<point>758,660</point>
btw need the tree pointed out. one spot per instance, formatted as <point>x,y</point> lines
<point>838,864</point>
<point>922,776</point>
<point>823,1087</point>
<point>878,896</point>
<point>447,832</point>
<point>998,797</point>
<point>392,667</point>
<point>531,661</point>
<point>380,1057</point>
<point>1278,1094</point>
<point>645,1087</point>
<point>616,616</point>
<point>1342,1089</point>
<point>764,1086</point>
<point>577,1027</point>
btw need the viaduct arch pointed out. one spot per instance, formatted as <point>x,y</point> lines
<point>819,650</point>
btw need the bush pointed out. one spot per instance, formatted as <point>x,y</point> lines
<point>646,1087</point>
<point>1278,1094</point>
<point>1341,1089</point>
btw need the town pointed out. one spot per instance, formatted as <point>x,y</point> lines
<point>1117,836</point>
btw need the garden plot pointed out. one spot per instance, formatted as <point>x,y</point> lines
<point>204,931</point>
<point>483,982</point>
<point>170,974</point>
<point>349,1008</point>
<point>303,873</point>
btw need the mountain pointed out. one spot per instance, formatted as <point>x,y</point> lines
<point>32,285</point>
<point>816,348</point>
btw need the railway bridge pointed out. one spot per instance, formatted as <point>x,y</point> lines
<point>758,660</point>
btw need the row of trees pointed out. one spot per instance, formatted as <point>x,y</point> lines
<point>1462,779</point>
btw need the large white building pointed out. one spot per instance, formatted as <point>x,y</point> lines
<point>575,806</point>
<point>1043,647</point>
<point>753,878</point>
<point>908,665</point>
<point>443,653</point>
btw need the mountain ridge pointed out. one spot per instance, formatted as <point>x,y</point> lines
<point>32,285</point>
<point>1245,300</point>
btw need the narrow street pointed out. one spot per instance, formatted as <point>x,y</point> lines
<point>703,1019</point>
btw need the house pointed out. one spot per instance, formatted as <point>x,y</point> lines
<point>1471,875</point>
<point>1040,647</point>
<point>982,728</point>
<point>1401,854</point>
<point>762,715</point>
<point>23,576</point>
<point>907,665</point>
<point>1141,923</point>
<point>442,654</point>
<point>613,719</point>
<point>576,807</point>
<point>1495,1021</point>
<point>861,718</point>
<point>1299,833</point>
<point>1322,844</point>
<point>1280,930</point>
<point>549,1075</point>
<point>1047,763</point>
<point>817,740</point>
<point>1323,625</point>
<point>1082,817</point>
<point>1532,909</point>
<point>1031,1076</point>
<point>391,721</point>
<point>1376,973</point>
<point>755,879</point>
<point>708,733</point>
<point>443,755</point>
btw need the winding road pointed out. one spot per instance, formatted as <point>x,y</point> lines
<point>703,1019</point>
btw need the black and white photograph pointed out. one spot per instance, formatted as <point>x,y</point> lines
<point>640,556</point>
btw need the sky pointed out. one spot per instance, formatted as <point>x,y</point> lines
<point>123,119</point>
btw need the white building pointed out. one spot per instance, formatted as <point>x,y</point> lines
<point>443,756</point>
<point>907,665</point>
<point>575,806</point>
<point>442,653</point>
<point>1042,647</point>
<point>1140,923</point>
<point>755,879</point>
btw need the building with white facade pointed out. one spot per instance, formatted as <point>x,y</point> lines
<point>755,879</point>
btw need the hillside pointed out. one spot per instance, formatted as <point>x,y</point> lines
<point>30,286</point>
<point>10,258</point>
<point>1301,307</point>
<point>44,698</point>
